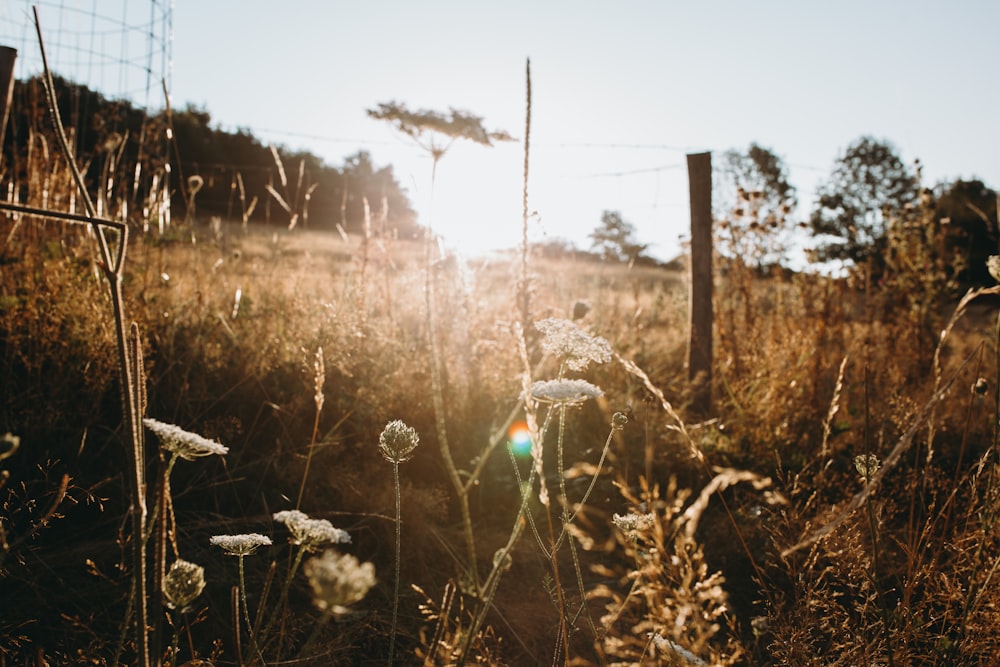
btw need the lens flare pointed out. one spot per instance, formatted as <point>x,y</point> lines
<point>520,439</point>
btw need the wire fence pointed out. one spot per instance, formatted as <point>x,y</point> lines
<point>120,49</point>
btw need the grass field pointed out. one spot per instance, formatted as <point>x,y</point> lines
<point>836,507</point>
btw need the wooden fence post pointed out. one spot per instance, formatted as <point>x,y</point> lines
<point>7,57</point>
<point>700,341</point>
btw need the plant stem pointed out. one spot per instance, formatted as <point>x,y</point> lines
<point>395,593</point>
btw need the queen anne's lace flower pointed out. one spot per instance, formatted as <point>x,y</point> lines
<point>564,392</point>
<point>183,583</point>
<point>398,441</point>
<point>309,532</point>
<point>184,444</point>
<point>993,266</point>
<point>565,339</point>
<point>338,580</point>
<point>240,545</point>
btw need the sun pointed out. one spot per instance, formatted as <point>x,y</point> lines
<point>475,205</point>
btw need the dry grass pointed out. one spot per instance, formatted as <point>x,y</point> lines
<point>754,540</point>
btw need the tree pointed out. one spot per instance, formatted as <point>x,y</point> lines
<point>967,212</point>
<point>869,185</point>
<point>434,131</point>
<point>754,199</point>
<point>615,239</point>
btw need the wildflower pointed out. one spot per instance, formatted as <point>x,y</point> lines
<point>564,392</point>
<point>309,532</point>
<point>634,523</point>
<point>578,347</point>
<point>993,266</point>
<point>867,465</point>
<point>184,444</point>
<point>183,583</point>
<point>338,580</point>
<point>398,441</point>
<point>240,545</point>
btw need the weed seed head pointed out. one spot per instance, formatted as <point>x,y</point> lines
<point>632,524</point>
<point>398,441</point>
<point>565,339</point>
<point>618,421</point>
<point>981,387</point>
<point>310,533</point>
<point>564,392</point>
<point>183,583</point>
<point>240,545</point>
<point>184,444</point>
<point>338,580</point>
<point>866,465</point>
<point>672,648</point>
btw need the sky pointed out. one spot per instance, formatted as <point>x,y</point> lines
<point>621,93</point>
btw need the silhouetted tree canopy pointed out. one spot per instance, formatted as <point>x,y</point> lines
<point>967,211</point>
<point>753,199</point>
<point>614,238</point>
<point>869,183</point>
<point>428,128</point>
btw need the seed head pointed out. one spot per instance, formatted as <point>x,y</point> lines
<point>338,580</point>
<point>184,444</point>
<point>398,441</point>
<point>618,421</point>
<point>866,465</point>
<point>240,545</point>
<point>632,523</point>
<point>183,583</point>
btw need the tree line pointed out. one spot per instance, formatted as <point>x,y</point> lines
<point>212,172</point>
<point>873,214</point>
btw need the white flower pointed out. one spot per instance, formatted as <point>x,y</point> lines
<point>309,532</point>
<point>184,444</point>
<point>564,392</point>
<point>240,545</point>
<point>993,266</point>
<point>338,580</point>
<point>398,441</point>
<point>578,347</point>
<point>183,583</point>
